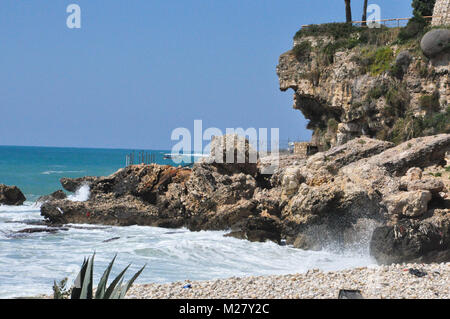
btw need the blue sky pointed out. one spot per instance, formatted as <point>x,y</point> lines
<point>138,69</point>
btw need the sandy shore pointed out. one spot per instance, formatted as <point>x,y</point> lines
<point>394,281</point>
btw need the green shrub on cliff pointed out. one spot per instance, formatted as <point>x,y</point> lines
<point>332,125</point>
<point>397,99</point>
<point>375,60</point>
<point>302,51</point>
<point>335,30</point>
<point>430,102</point>
<point>415,28</point>
<point>423,7</point>
<point>382,60</point>
<point>411,126</point>
<point>437,123</point>
<point>378,91</point>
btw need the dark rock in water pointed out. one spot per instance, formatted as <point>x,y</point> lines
<point>88,228</point>
<point>111,239</point>
<point>259,229</point>
<point>42,230</point>
<point>59,194</point>
<point>11,195</point>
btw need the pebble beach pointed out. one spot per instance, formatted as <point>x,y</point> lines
<point>378,282</point>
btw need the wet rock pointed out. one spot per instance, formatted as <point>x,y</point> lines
<point>111,239</point>
<point>426,240</point>
<point>41,230</point>
<point>259,229</point>
<point>59,194</point>
<point>11,195</point>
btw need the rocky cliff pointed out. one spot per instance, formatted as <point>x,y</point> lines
<point>385,83</point>
<point>363,192</point>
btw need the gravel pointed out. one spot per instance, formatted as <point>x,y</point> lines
<point>393,281</point>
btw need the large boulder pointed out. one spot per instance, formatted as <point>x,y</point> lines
<point>403,59</point>
<point>435,42</point>
<point>233,154</point>
<point>11,195</point>
<point>410,204</point>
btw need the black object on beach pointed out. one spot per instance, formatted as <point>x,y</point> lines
<point>350,294</point>
<point>417,272</point>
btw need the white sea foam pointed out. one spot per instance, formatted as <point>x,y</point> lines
<point>81,195</point>
<point>60,172</point>
<point>30,263</point>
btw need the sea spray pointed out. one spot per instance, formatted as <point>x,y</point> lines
<point>81,194</point>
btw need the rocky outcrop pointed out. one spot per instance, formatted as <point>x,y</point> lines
<point>352,82</point>
<point>232,154</point>
<point>423,240</point>
<point>11,195</point>
<point>59,194</point>
<point>435,42</point>
<point>337,197</point>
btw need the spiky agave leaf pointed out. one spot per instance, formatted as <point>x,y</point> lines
<point>116,292</point>
<point>113,285</point>
<point>86,290</point>
<point>101,288</point>
<point>128,285</point>
<point>77,285</point>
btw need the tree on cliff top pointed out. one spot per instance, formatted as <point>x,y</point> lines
<point>423,8</point>
<point>348,11</point>
<point>364,16</point>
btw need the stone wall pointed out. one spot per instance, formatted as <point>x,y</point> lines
<point>441,13</point>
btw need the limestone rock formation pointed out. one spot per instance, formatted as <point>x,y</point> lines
<point>59,194</point>
<point>351,82</point>
<point>11,195</point>
<point>337,197</point>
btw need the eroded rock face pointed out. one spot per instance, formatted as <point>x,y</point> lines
<point>59,194</point>
<point>410,204</point>
<point>11,195</point>
<point>426,240</point>
<point>343,99</point>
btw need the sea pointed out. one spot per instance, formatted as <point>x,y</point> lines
<point>31,262</point>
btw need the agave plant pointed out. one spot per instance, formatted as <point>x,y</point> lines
<point>83,285</point>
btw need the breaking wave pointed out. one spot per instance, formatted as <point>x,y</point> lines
<point>81,195</point>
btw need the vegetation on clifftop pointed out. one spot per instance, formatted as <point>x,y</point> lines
<point>390,109</point>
